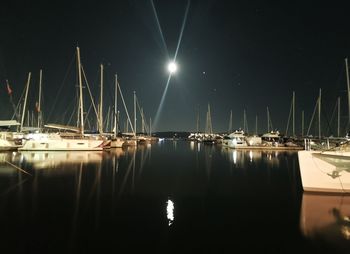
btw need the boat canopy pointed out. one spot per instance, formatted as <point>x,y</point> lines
<point>9,123</point>
<point>62,127</point>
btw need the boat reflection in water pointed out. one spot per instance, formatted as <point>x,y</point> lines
<point>5,164</point>
<point>326,218</point>
<point>241,157</point>
<point>50,160</point>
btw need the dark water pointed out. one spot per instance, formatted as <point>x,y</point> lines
<point>120,201</point>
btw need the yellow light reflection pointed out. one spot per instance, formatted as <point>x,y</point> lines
<point>192,145</point>
<point>234,157</point>
<point>251,156</point>
<point>170,212</point>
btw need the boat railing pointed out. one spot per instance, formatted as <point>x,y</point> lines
<point>326,144</point>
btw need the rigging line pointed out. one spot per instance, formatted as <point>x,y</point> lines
<point>289,117</point>
<point>86,120</point>
<point>22,170</point>
<point>125,108</point>
<point>18,104</point>
<point>92,101</point>
<point>142,115</point>
<point>182,28</point>
<point>14,107</point>
<point>72,113</point>
<point>323,113</point>
<point>331,120</point>
<point>159,28</point>
<point>60,89</point>
<point>312,118</point>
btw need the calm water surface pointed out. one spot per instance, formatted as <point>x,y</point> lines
<point>168,197</point>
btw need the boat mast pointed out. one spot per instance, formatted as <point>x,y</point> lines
<point>348,86</point>
<point>302,123</point>
<point>115,106</point>
<point>142,122</point>
<point>244,122</point>
<point>268,119</point>
<point>134,113</point>
<point>25,100</point>
<point>319,115</point>
<point>126,111</point>
<point>39,103</point>
<point>101,102</point>
<point>150,127</point>
<point>230,123</point>
<point>293,114</point>
<point>198,119</point>
<point>256,124</point>
<point>209,121</point>
<point>80,93</point>
<point>338,132</point>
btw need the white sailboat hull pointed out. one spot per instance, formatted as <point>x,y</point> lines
<point>324,172</point>
<point>57,143</point>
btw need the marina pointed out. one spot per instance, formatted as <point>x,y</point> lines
<point>207,199</point>
<point>174,127</point>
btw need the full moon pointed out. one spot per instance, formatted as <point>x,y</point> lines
<point>172,67</point>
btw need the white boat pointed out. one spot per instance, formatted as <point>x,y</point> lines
<point>254,140</point>
<point>326,171</point>
<point>235,139</point>
<point>271,138</point>
<point>72,139</point>
<point>9,140</point>
<point>62,142</point>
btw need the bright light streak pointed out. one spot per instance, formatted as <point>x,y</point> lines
<point>182,29</point>
<point>175,56</point>
<point>170,211</point>
<point>161,103</point>
<point>172,67</point>
<point>159,27</point>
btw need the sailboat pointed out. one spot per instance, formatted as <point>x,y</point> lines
<point>209,137</point>
<point>129,138</point>
<point>326,170</point>
<point>8,140</point>
<point>237,138</point>
<point>116,141</point>
<point>271,137</point>
<point>72,139</point>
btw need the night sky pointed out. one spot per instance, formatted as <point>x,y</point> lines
<point>233,55</point>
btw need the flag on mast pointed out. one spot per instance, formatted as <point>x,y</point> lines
<point>37,107</point>
<point>9,90</point>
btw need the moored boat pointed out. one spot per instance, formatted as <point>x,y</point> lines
<point>9,140</point>
<point>326,171</point>
<point>235,139</point>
